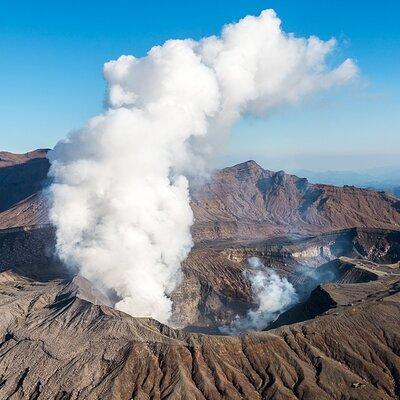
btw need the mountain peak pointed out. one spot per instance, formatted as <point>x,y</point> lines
<point>249,164</point>
<point>9,159</point>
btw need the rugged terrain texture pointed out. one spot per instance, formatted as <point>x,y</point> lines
<point>246,201</point>
<point>240,202</point>
<point>8,159</point>
<point>60,339</point>
<point>22,177</point>
<point>215,289</point>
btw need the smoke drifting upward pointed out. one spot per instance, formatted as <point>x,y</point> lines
<point>272,294</point>
<point>120,193</point>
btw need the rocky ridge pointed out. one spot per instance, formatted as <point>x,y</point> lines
<point>246,201</point>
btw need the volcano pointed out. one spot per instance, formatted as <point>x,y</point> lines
<point>61,338</point>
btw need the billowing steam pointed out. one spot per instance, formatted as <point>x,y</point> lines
<point>120,192</point>
<point>272,294</point>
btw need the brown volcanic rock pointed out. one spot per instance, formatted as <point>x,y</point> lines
<point>214,289</point>
<point>33,210</point>
<point>243,201</point>
<point>56,345</point>
<point>59,339</point>
<point>357,281</point>
<point>8,159</point>
<point>246,201</point>
<point>22,177</point>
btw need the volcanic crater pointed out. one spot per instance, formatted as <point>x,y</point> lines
<point>61,339</point>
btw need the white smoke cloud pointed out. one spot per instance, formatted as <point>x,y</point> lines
<point>272,294</point>
<point>120,191</point>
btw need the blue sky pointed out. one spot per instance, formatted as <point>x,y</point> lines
<point>51,74</point>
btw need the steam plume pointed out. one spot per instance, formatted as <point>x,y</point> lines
<point>120,192</point>
<point>272,294</point>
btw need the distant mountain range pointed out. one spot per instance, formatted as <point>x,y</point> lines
<point>382,178</point>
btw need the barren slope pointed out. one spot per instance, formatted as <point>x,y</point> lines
<point>22,177</point>
<point>240,202</point>
<point>59,339</point>
<point>246,201</point>
<point>57,345</point>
